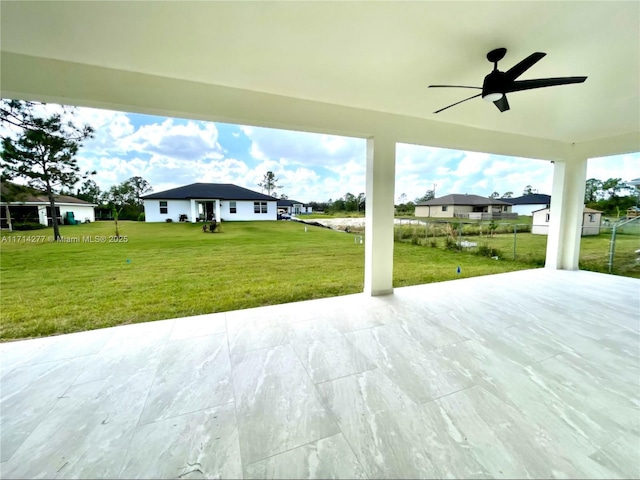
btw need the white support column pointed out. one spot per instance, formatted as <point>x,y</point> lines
<point>378,248</point>
<point>566,212</point>
<point>194,211</point>
<point>217,210</point>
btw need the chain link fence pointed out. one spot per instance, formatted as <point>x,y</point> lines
<point>616,249</point>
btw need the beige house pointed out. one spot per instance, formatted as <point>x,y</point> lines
<point>591,220</point>
<point>465,206</point>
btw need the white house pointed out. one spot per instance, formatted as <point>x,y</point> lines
<point>205,201</point>
<point>34,207</point>
<point>527,204</point>
<point>293,207</point>
<point>464,206</point>
<point>591,220</point>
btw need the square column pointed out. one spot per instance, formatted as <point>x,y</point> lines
<point>565,220</point>
<point>217,210</point>
<point>194,211</point>
<point>378,248</point>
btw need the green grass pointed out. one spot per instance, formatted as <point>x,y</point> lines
<point>175,270</point>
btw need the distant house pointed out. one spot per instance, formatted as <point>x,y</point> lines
<point>205,201</point>
<point>465,206</point>
<point>293,207</point>
<point>33,206</point>
<point>527,204</point>
<point>591,220</point>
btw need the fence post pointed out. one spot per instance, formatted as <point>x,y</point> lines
<point>612,247</point>
<point>515,237</point>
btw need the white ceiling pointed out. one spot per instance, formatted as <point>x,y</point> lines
<point>377,56</point>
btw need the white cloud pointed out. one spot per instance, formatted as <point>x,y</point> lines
<point>626,167</point>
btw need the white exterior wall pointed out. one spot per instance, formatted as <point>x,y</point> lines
<point>591,227</point>
<point>527,209</point>
<point>244,211</point>
<point>540,225</point>
<point>80,212</point>
<point>175,208</point>
<point>435,211</point>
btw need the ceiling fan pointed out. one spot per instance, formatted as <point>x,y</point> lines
<point>497,84</point>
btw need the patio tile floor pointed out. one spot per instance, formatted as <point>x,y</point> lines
<point>531,374</point>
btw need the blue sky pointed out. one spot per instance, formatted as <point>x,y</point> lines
<point>170,152</point>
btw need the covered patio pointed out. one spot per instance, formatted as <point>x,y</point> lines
<point>529,374</point>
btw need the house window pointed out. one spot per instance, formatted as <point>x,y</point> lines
<point>259,207</point>
<point>163,207</point>
<point>444,208</point>
<point>504,208</point>
<point>546,218</point>
<point>592,217</point>
<point>232,207</point>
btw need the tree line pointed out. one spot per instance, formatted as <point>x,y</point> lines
<point>611,196</point>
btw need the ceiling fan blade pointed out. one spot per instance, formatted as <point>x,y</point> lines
<point>454,104</point>
<point>502,104</point>
<point>518,69</point>
<point>541,83</point>
<point>453,86</point>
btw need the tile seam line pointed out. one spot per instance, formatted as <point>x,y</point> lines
<point>233,391</point>
<point>184,413</point>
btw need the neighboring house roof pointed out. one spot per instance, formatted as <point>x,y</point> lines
<point>459,199</point>
<point>531,199</point>
<point>288,203</point>
<point>221,191</point>
<point>34,197</point>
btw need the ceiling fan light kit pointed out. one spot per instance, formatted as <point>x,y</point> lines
<point>497,84</point>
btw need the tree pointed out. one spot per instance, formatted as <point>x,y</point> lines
<point>403,199</point>
<point>508,195</point>
<point>494,195</point>
<point>269,182</point>
<point>613,186</point>
<point>361,200</point>
<point>528,190</point>
<point>89,191</point>
<point>138,186</point>
<point>44,151</point>
<point>283,197</point>
<point>429,195</point>
<point>592,189</point>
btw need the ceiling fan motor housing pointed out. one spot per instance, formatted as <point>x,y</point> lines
<point>494,83</point>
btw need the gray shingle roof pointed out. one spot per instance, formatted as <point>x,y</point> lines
<point>459,199</point>
<point>221,191</point>
<point>289,203</point>
<point>531,199</point>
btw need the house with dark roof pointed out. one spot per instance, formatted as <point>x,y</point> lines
<point>206,201</point>
<point>293,207</point>
<point>29,205</point>
<point>465,206</point>
<point>527,204</point>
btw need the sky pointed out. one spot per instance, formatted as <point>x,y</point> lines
<point>171,152</point>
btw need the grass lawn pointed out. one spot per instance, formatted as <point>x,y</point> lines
<point>175,270</point>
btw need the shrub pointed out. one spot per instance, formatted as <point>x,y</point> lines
<point>141,217</point>
<point>433,244</point>
<point>168,220</point>
<point>28,226</point>
<point>451,244</point>
<point>485,250</point>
